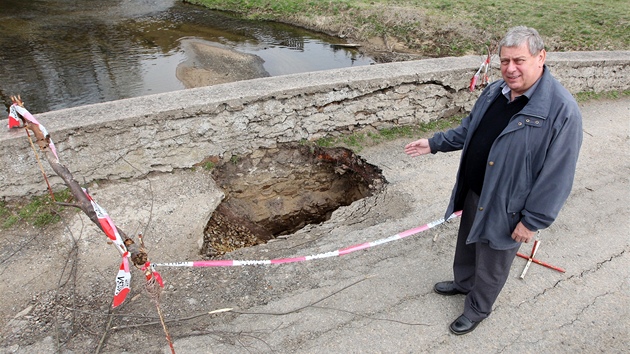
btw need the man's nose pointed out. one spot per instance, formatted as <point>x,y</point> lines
<point>511,66</point>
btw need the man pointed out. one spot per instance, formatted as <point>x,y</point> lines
<point>520,146</point>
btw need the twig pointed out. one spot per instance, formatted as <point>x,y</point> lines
<point>72,260</point>
<point>106,332</point>
<point>370,317</point>
<point>164,328</point>
<point>181,319</point>
<point>97,215</point>
<point>39,163</point>
<point>305,306</point>
<point>236,335</point>
<point>74,205</point>
<point>16,252</point>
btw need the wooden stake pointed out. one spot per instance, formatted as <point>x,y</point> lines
<point>531,257</point>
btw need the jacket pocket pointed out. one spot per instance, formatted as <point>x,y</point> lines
<point>521,187</point>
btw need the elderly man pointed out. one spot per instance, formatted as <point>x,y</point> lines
<point>520,147</point>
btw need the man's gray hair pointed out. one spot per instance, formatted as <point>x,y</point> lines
<point>520,34</point>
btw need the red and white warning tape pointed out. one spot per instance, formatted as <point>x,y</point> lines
<point>340,252</point>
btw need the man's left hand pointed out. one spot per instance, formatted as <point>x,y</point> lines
<point>522,234</point>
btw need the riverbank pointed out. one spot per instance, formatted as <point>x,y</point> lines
<point>410,29</point>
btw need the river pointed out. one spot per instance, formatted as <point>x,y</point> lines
<point>64,53</point>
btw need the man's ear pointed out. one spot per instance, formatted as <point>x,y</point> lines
<point>541,57</point>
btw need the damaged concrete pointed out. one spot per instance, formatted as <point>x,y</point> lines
<point>164,132</point>
<point>378,300</point>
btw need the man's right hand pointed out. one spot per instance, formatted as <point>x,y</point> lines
<point>418,147</point>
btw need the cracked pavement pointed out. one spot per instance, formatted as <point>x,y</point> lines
<point>380,300</point>
<point>390,308</point>
<point>393,308</point>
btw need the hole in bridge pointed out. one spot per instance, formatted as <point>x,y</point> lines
<point>274,192</point>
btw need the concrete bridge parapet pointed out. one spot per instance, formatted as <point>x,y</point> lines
<point>133,137</point>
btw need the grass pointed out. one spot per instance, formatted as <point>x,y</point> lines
<point>437,28</point>
<point>609,95</point>
<point>357,141</point>
<point>38,211</point>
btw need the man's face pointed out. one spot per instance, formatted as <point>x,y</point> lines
<point>519,68</point>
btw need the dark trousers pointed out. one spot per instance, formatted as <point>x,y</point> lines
<point>478,269</point>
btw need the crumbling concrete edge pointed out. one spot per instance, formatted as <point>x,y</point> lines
<point>133,137</point>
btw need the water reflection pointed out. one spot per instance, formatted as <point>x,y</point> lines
<point>66,53</point>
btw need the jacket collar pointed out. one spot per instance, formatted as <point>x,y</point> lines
<point>507,92</point>
<point>540,100</point>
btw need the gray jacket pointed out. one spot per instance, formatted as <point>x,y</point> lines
<point>531,164</point>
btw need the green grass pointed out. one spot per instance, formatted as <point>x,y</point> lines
<point>208,166</point>
<point>357,141</point>
<point>438,28</point>
<point>609,95</point>
<point>38,211</point>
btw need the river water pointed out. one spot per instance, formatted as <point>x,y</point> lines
<point>65,53</point>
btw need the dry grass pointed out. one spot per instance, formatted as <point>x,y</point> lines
<point>437,28</point>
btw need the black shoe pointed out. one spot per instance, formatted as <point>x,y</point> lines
<point>463,325</point>
<point>447,288</point>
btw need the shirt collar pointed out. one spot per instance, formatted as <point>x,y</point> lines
<point>505,89</point>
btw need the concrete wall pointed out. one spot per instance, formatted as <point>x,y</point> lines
<point>132,137</point>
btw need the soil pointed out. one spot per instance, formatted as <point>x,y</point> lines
<point>275,192</point>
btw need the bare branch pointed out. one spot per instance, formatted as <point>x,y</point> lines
<point>125,245</point>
